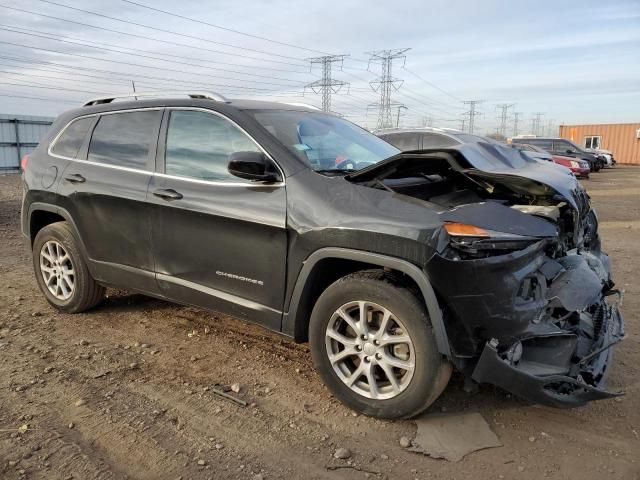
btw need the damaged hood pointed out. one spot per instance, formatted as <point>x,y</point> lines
<point>490,164</point>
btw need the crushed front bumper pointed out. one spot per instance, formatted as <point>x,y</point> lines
<point>545,369</point>
<point>538,327</point>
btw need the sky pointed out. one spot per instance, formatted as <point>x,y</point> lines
<point>571,61</point>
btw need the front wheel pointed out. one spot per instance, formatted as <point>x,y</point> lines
<point>373,345</point>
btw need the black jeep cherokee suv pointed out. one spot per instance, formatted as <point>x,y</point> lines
<point>395,266</point>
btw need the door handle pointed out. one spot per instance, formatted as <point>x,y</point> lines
<point>75,178</point>
<point>167,194</point>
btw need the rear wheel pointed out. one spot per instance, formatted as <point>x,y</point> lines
<point>61,271</point>
<point>372,343</point>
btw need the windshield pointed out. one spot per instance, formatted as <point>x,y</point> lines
<point>325,142</point>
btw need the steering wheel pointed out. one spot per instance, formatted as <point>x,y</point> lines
<point>341,165</point>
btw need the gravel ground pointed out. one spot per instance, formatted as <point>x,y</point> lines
<point>124,391</point>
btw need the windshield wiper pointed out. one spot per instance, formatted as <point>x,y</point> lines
<point>334,170</point>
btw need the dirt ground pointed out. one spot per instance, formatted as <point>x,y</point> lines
<point>122,391</point>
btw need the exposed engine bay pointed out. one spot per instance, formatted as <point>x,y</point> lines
<point>530,303</point>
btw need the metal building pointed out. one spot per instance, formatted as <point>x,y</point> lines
<point>622,139</point>
<point>19,135</point>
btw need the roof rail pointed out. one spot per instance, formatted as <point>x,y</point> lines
<point>301,104</point>
<point>202,95</point>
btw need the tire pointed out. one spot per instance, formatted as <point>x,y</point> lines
<point>413,392</point>
<point>75,289</point>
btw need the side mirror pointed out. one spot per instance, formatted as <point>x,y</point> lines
<point>569,150</point>
<point>253,166</point>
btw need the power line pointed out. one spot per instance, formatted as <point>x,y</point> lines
<point>429,108</point>
<point>167,42</point>
<point>117,82</point>
<point>128,76</point>
<point>56,100</point>
<point>432,84</point>
<point>428,100</point>
<point>31,34</point>
<point>266,39</point>
<point>386,82</point>
<point>326,85</point>
<point>229,45</point>
<point>49,88</point>
<point>128,63</point>
<point>55,36</point>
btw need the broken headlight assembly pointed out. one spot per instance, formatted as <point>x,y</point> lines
<point>470,241</point>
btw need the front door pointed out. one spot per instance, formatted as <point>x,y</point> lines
<point>107,192</point>
<point>218,241</point>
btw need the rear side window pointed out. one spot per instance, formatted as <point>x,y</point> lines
<point>543,144</point>
<point>199,145</point>
<point>125,139</point>
<point>434,140</point>
<point>403,141</point>
<point>70,142</point>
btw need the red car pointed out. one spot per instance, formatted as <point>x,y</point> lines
<point>580,168</point>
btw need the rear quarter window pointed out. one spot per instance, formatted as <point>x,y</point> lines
<point>70,141</point>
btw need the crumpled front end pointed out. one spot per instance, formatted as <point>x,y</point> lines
<point>526,292</point>
<point>532,317</point>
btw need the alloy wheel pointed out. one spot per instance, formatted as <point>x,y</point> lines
<point>370,350</point>
<point>57,270</point>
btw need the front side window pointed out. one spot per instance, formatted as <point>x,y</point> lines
<point>125,139</point>
<point>199,145</point>
<point>324,142</point>
<point>564,146</point>
<point>70,142</point>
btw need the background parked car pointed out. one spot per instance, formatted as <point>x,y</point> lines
<point>580,168</point>
<point>607,155</point>
<point>563,147</point>
<point>407,139</point>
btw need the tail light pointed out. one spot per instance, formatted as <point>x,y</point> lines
<point>23,162</point>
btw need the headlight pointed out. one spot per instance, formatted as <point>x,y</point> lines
<point>477,242</point>
<point>574,164</point>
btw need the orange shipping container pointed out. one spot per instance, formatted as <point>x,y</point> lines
<point>622,139</point>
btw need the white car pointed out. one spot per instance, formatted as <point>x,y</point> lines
<point>606,154</point>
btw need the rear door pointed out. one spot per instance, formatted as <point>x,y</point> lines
<point>218,241</point>
<point>106,187</point>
